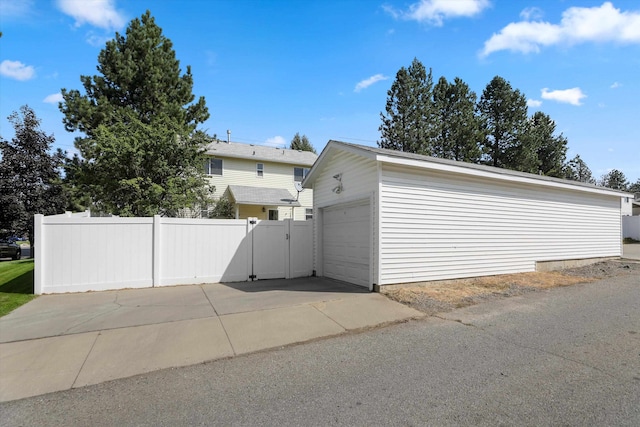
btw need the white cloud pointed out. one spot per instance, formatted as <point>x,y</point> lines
<point>615,85</point>
<point>368,82</point>
<point>99,13</point>
<point>54,98</point>
<point>276,141</point>
<point>578,25</point>
<point>16,70</point>
<point>96,40</point>
<point>571,96</point>
<point>533,103</point>
<point>15,8</point>
<point>434,12</point>
<point>531,13</point>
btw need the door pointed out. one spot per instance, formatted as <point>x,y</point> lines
<point>346,240</point>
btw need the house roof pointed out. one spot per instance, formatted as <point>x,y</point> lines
<point>261,152</point>
<point>453,166</point>
<point>245,195</point>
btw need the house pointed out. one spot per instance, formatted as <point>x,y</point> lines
<point>261,181</point>
<point>386,217</point>
<point>631,205</point>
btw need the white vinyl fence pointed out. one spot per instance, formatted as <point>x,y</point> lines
<point>631,227</point>
<point>77,253</point>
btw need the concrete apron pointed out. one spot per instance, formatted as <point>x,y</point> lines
<point>58,342</point>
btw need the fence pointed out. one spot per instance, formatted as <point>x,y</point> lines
<point>631,227</point>
<point>78,253</point>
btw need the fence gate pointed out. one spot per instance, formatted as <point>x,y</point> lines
<point>280,249</point>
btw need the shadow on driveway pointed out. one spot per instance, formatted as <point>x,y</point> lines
<point>305,284</point>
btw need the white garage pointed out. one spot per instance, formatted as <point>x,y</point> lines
<point>386,217</point>
<point>346,232</point>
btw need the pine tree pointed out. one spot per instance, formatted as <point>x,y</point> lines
<point>615,179</point>
<point>546,152</point>
<point>457,127</point>
<point>141,154</point>
<point>301,143</point>
<point>504,113</point>
<point>29,175</point>
<point>577,170</point>
<point>408,124</point>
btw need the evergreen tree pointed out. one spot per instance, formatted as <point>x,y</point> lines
<point>635,187</point>
<point>457,127</point>
<point>29,175</point>
<point>408,124</point>
<point>141,154</point>
<point>547,152</point>
<point>301,143</point>
<point>577,170</point>
<point>615,179</point>
<point>504,114</point>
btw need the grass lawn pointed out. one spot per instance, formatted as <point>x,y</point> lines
<point>16,284</point>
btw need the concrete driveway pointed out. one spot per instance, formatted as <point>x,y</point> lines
<point>631,251</point>
<point>63,341</point>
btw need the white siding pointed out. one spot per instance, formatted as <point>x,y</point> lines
<point>276,175</point>
<point>359,181</point>
<point>435,226</point>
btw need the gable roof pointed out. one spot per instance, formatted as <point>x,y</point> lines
<point>445,165</point>
<point>261,152</point>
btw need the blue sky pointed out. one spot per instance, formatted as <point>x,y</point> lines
<point>269,69</point>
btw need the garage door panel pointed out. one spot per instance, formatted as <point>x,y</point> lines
<point>346,231</point>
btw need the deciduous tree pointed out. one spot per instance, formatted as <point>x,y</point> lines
<point>141,154</point>
<point>29,175</point>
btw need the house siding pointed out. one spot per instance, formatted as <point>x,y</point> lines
<point>359,181</point>
<point>436,226</point>
<point>276,175</point>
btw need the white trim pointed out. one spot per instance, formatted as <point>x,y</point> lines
<point>345,201</point>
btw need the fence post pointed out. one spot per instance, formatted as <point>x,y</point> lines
<point>155,259</point>
<point>38,261</point>
<point>289,231</point>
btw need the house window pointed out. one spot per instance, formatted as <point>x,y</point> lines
<point>299,174</point>
<point>213,166</point>
<point>259,170</point>
<point>308,214</point>
<point>273,214</point>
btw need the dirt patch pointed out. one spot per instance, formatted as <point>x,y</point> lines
<point>438,297</point>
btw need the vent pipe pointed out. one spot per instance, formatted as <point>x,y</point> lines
<point>228,136</point>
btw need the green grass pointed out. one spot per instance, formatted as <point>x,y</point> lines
<point>629,240</point>
<point>16,284</point>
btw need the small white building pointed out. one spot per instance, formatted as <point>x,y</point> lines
<point>387,217</point>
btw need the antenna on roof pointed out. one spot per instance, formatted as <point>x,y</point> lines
<point>228,136</point>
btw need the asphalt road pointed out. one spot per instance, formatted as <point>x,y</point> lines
<point>569,356</point>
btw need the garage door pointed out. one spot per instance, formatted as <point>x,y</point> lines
<point>346,235</point>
